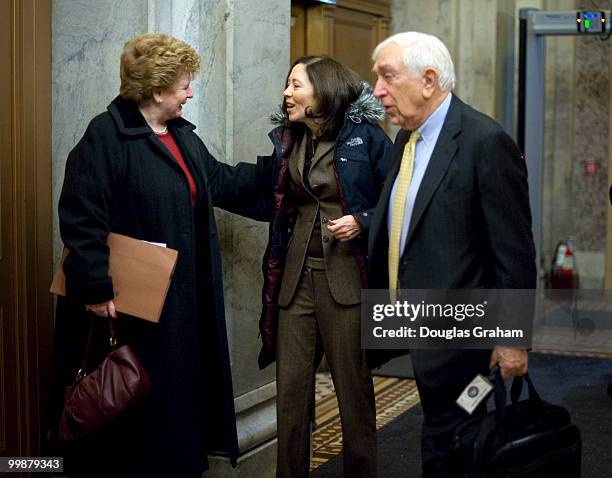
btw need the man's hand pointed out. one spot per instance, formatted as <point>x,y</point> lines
<point>344,228</point>
<point>103,310</point>
<point>512,360</point>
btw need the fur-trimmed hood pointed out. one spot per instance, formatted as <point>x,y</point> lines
<point>365,108</point>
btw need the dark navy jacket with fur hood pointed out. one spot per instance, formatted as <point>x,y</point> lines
<point>361,161</point>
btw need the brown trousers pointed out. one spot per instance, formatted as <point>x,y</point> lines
<point>313,321</point>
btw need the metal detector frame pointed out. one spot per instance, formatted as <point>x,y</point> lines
<point>534,26</point>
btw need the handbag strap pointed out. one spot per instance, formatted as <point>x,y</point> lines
<point>113,334</point>
<point>82,371</point>
<point>499,393</point>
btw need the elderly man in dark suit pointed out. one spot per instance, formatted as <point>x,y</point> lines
<point>453,214</point>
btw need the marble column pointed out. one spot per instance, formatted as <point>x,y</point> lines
<point>244,47</point>
<point>247,50</point>
<point>478,38</point>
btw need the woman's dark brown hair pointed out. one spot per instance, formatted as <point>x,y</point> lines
<point>335,85</point>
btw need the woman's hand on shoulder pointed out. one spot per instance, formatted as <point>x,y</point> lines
<point>103,310</point>
<point>344,228</point>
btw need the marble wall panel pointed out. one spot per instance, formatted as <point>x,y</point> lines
<point>436,17</point>
<point>558,121</point>
<point>558,154</point>
<point>182,20</point>
<point>214,117</point>
<point>475,58</point>
<point>470,32</point>
<point>87,39</point>
<point>505,65</point>
<point>260,60</point>
<point>591,132</point>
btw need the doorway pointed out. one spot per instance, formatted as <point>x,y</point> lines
<point>348,31</point>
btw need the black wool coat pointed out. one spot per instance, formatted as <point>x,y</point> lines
<point>121,178</point>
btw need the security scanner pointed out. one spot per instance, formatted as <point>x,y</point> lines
<point>534,27</point>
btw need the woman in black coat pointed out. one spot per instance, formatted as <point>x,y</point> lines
<point>140,171</point>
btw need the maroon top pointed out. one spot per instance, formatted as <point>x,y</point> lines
<point>169,142</point>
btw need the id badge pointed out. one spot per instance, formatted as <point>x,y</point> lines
<point>475,392</point>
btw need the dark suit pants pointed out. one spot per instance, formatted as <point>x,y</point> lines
<point>441,375</point>
<point>314,321</point>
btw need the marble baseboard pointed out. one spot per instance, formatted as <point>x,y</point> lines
<point>259,462</point>
<point>256,417</point>
<point>591,269</point>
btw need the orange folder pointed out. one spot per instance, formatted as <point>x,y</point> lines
<point>141,274</point>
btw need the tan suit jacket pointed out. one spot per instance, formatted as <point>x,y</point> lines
<point>324,198</point>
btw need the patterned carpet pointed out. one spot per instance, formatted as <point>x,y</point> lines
<point>393,397</point>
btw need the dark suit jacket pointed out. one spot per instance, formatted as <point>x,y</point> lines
<point>470,227</point>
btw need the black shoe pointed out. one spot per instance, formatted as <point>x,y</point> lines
<point>610,389</point>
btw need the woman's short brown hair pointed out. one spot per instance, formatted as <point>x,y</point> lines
<point>335,85</point>
<point>153,62</point>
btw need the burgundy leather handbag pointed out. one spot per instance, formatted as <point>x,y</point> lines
<point>95,399</point>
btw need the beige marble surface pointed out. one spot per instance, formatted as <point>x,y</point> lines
<point>470,32</point>
<point>590,133</point>
<point>87,39</point>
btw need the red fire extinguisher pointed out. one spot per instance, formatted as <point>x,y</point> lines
<point>564,273</point>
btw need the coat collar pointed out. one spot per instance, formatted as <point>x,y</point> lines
<point>322,150</point>
<point>283,138</point>
<point>130,122</point>
<point>299,152</point>
<point>366,108</point>
<point>297,156</point>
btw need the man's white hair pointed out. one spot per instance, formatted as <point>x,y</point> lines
<point>423,51</point>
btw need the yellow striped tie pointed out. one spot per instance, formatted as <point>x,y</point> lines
<point>399,203</point>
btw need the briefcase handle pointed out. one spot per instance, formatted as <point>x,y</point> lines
<point>517,388</point>
<point>515,391</point>
<point>500,408</point>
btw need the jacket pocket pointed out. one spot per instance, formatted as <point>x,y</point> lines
<point>344,159</point>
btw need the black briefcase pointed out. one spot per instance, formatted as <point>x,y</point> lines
<point>529,438</point>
